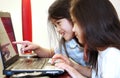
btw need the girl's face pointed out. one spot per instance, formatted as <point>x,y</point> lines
<point>78,31</point>
<point>64,28</point>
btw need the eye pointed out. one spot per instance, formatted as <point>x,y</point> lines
<point>58,22</point>
<point>55,25</point>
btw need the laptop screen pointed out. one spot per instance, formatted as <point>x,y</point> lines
<point>7,36</point>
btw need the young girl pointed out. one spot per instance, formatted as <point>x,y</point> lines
<point>61,25</point>
<point>97,27</point>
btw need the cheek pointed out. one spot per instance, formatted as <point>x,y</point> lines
<point>80,36</point>
<point>68,27</point>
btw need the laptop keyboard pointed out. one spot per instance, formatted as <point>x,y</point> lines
<point>31,63</point>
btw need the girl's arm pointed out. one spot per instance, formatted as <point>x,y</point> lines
<point>71,71</point>
<point>40,51</point>
<point>84,70</point>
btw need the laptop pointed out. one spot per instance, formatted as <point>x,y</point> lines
<point>16,65</point>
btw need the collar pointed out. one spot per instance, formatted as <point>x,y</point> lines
<point>72,43</point>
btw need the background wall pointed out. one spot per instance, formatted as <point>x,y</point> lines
<point>116,4</point>
<point>39,18</point>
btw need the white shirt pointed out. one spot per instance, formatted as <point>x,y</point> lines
<point>108,64</point>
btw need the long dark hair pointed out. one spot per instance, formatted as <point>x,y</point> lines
<point>58,10</point>
<point>100,23</point>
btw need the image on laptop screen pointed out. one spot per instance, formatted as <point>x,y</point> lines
<point>7,36</point>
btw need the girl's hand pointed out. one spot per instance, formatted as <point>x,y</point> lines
<point>65,63</point>
<point>60,58</point>
<point>26,45</point>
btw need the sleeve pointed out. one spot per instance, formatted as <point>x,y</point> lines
<point>93,73</point>
<point>57,50</point>
<point>111,66</point>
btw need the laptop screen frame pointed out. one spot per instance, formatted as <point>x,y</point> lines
<point>5,19</point>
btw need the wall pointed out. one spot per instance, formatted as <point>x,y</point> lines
<point>116,4</point>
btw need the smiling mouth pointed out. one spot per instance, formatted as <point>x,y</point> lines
<point>62,34</point>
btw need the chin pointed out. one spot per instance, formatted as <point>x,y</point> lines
<point>67,39</point>
<point>80,41</point>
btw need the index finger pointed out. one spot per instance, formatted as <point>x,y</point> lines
<point>18,42</point>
